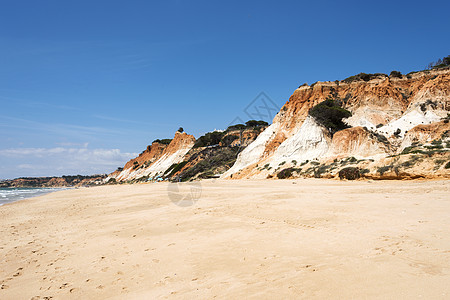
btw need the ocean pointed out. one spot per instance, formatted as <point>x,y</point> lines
<point>8,195</point>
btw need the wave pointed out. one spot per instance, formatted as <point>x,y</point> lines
<point>8,195</point>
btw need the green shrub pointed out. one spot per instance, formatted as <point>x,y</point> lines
<point>364,171</point>
<point>320,170</point>
<point>163,141</point>
<point>440,63</point>
<point>407,150</point>
<point>112,181</point>
<point>254,123</point>
<point>285,173</point>
<point>175,168</point>
<point>247,125</point>
<point>396,74</point>
<point>349,173</point>
<point>384,169</point>
<point>236,127</point>
<point>329,114</point>
<point>363,76</point>
<point>229,139</point>
<point>447,165</point>
<point>209,139</point>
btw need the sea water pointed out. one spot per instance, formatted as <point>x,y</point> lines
<point>8,195</point>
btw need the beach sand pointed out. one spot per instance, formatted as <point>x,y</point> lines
<point>306,238</point>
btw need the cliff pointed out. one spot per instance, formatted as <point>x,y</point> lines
<point>186,158</point>
<point>388,114</point>
<point>63,181</point>
<point>155,160</point>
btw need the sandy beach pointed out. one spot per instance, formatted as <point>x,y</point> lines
<point>306,238</point>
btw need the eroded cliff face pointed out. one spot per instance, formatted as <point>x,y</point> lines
<point>156,159</point>
<point>181,160</point>
<point>388,115</point>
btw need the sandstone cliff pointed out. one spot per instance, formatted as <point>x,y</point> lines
<point>187,159</point>
<point>155,160</point>
<point>388,115</point>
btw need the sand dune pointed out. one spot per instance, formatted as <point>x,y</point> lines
<point>242,239</point>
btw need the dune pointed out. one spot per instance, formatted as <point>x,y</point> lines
<point>257,239</point>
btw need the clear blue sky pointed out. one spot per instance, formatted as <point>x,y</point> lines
<point>84,85</point>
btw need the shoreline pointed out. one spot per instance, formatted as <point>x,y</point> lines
<point>298,238</point>
<point>23,193</point>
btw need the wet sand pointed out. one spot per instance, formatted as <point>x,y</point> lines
<point>306,238</point>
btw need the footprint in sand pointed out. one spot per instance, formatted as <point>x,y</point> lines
<point>64,286</point>
<point>18,273</point>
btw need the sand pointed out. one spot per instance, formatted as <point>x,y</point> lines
<point>306,238</point>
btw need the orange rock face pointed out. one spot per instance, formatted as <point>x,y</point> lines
<point>152,153</point>
<point>357,141</point>
<point>429,132</point>
<point>158,155</point>
<point>385,114</point>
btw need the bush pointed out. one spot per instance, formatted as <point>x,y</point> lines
<point>447,165</point>
<point>349,173</point>
<point>236,127</point>
<point>227,140</point>
<point>112,181</point>
<point>248,124</point>
<point>363,76</point>
<point>329,114</point>
<point>175,168</point>
<point>364,171</point>
<point>384,169</point>
<point>209,139</point>
<point>181,130</point>
<point>285,173</point>
<point>254,123</point>
<point>396,74</point>
<point>440,63</point>
<point>163,141</point>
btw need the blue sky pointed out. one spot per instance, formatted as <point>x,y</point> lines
<point>86,85</point>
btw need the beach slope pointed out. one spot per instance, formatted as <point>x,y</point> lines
<point>305,238</point>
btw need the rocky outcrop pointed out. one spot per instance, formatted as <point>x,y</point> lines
<point>187,159</point>
<point>64,181</point>
<point>358,141</point>
<point>425,133</point>
<point>155,160</point>
<point>388,114</point>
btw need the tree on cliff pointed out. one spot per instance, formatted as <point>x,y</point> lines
<point>440,63</point>
<point>180,129</point>
<point>329,114</point>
